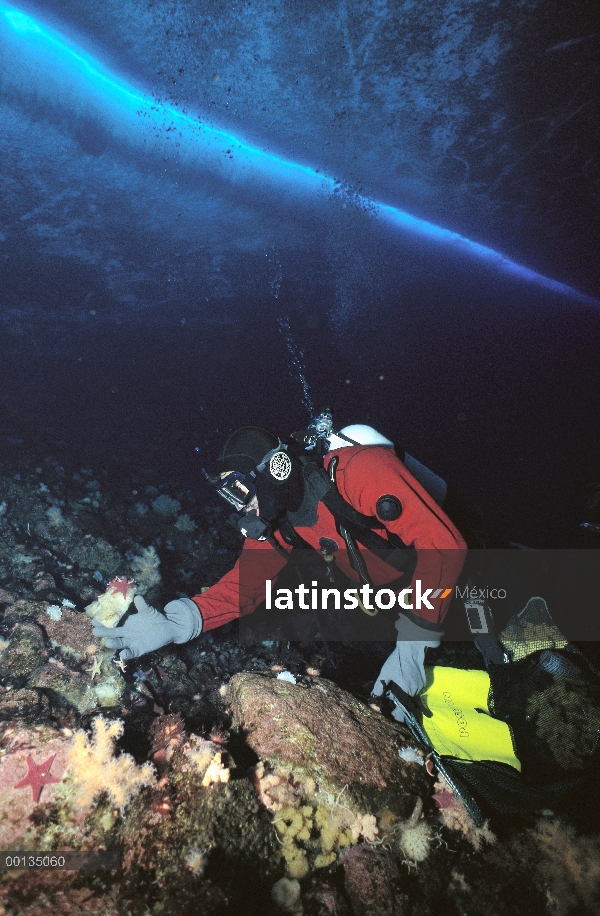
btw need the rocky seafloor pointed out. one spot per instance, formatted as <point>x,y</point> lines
<point>226,777</point>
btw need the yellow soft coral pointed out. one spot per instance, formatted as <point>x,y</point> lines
<point>322,861</point>
<point>305,814</point>
<point>94,768</point>
<point>295,859</point>
<point>295,823</point>
<point>339,827</point>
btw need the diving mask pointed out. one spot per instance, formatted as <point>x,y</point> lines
<point>237,489</point>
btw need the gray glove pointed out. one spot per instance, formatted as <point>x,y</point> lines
<point>149,630</point>
<point>406,664</point>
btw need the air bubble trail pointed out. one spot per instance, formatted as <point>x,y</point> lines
<point>297,360</point>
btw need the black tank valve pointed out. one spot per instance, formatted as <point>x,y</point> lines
<point>388,508</point>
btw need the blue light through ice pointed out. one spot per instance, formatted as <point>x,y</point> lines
<point>130,112</point>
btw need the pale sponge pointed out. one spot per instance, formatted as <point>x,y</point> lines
<point>108,608</point>
<point>93,767</point>
<point>285,893</point>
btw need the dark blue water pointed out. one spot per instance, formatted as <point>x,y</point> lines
<point>495,387</point>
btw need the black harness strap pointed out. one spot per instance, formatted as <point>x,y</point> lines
<point>392,550</point>
<point>290,535</point>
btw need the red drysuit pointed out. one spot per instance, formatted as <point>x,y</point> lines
<point>364,473</point>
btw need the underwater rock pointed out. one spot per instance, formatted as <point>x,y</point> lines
<point>66,687</point>
<point>43,582</point>
<point>171,679</point>
<point>55,891</point>
<point>26,608</point>
<point>72,634</point>
<point>193,829</point>
<point>324,900</point>
<point>100,685</point>
<point>327,787</point>
<point>53,785</point>
<point>68,772</point>
<point>23,655</point>
<point>22,703</point>
<point>358,748</point>
<point>372,882</point>
<point>81,677</point>
<point>93,554</point>
<point>18,744</point>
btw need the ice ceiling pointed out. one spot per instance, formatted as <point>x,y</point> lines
<point>200,150</point>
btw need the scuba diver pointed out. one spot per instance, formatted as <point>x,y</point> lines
<point>348,508</point>
<point>343,508</point>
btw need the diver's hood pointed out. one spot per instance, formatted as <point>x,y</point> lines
<point>245,448</point>
<point>275,497</point>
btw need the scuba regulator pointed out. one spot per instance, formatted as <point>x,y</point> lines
<point>319,432</point>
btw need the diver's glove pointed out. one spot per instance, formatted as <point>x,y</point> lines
<point>406,664</point>
<point>149,630</point>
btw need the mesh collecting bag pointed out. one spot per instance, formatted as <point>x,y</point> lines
<point>549,696</point>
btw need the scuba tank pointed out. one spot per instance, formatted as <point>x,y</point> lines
<point>322,437</point>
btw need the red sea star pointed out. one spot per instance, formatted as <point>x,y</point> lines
<point>37,776</point>
<point>120,585</point>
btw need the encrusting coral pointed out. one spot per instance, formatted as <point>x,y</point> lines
<point>454,815</point>
<point>93,767</point>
